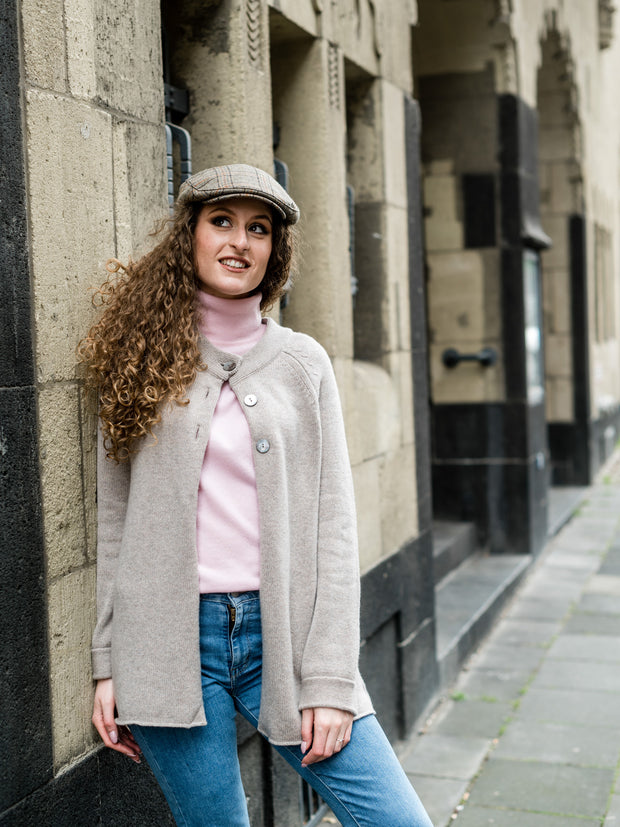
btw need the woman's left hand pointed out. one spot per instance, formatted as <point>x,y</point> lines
<point>326,731</point>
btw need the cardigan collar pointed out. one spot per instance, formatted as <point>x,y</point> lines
<point>228,365</point>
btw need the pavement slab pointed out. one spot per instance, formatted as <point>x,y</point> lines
<point>478,719</point>
<point>518,632</point>
<point>604,584</point>
<point>588,624</point>
<point>446,756</point>
<point>485,817</point>
<point>559,744</point>
<point>518,659</point>
<point>553,789</point>
<point>586,708</point>
<point>439,795</point>
<point>613,813</point>
<point>550,607</point>
<point>586,647</point>
<point>498,685</point>
<point>604,604</point>
<point>578,674</point>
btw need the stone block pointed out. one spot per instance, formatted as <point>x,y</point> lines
<point>556,143</point>
<point>61,478</point>
<point>302,14</point>
<point>397,284</point>
<point>128,57</point>
<point>394,157</point>
<point>398,365</point>
<point>366,477</point>
<point>556,226</point>
<point>365,165</point>
<point>81,47</point>
<point>447,756</point>
<point>140,185</point>
<point>441,194</point>
<point>559,399</point>
<point>44,43</point>
<point>558,356</point>
<point>71,618</point>
<point>72,222</point>
<point>398,500</point>
<point>556,299</point>
<point>377,427</point>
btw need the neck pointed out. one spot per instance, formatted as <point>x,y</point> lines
<point>233,325</point>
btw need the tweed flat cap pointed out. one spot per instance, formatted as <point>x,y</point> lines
<point>234,180</point>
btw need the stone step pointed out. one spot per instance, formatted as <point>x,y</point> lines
<point>453,542</point>
<point>467,601</point>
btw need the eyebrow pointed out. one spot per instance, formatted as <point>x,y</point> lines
<point>215,207</point>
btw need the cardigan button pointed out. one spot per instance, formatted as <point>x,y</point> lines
<point>229,365</point>
<point>262,446</point>
<point>250,400</point>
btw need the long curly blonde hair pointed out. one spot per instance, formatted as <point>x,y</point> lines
<point>143,351</point>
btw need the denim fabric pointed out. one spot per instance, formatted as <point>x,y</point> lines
<point>198,768</point>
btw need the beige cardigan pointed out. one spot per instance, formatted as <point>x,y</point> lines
<point>147,636</point>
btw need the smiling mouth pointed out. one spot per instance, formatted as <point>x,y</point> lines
<point>235,263</point>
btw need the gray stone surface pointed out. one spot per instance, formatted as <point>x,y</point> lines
<point>586,647</point>
<point>578,674</point>
<point>519,659</point>
<point>560,744</point>
<point>588,708</point>
<point>599,604</point>
<point>483,816</point>
<point>517,632</point>
<point>545,788</point>
<point>481,719</point>
<point>500,685</point>
<point>552,607</point>
<point>439,795</point>
<point>446,756</point>
<point>613,813</point>
<point>587,624</point>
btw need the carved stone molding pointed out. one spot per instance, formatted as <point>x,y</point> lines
<point>253,21</point>
<point>333,72</point>
<point>606,11</point>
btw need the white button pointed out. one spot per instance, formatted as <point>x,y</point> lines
<point>262,446</point>
<point>250,400</point>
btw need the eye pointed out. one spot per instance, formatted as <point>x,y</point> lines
<point>260,229</point>
<point>220,221</point>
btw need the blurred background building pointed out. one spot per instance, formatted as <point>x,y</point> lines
<point>457,164</point>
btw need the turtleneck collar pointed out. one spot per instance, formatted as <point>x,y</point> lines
<point>232,325</point>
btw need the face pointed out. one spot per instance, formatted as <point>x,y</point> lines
<point>232,245</point>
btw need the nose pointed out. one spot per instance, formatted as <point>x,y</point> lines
<point>240,238</point>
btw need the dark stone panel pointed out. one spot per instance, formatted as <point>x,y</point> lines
<point>285,785</point>
<point>420,674</point>
<point>16,360</point>
<point>104,789</point>
<point>25,725</point>
<point>479,431</point>
<point>479,210</point>
<point>460,118</point>
<point>369,265</point>
<point>604,434</point>
<point>513,324</point>
<point>418,314</point>
<point>401,583</point>
<point>380,668</point>
<point>506,501</point>
<point>255,763</point>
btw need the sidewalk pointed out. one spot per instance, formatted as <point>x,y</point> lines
<point>530,735</point>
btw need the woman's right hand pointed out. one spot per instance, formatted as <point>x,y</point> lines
<point>113,736</point>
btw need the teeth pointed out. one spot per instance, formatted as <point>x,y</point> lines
<point>232,262</point>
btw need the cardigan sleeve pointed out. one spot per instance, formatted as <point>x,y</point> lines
<point>330,658</point>
<point>112,495</point>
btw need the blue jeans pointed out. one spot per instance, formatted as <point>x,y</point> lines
<point>198,768</point>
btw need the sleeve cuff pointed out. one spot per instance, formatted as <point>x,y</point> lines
<point>102,663</point>
<point>336,693</point>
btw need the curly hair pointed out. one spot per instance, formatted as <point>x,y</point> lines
<point>143,351</point>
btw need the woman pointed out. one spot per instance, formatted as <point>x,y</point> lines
<point>227,559</point>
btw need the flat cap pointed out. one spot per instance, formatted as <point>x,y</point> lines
<point>235,180</point>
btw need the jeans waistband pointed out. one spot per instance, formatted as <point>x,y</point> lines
<point>230,598</point>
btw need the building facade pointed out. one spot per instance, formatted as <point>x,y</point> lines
<point>457,164</point>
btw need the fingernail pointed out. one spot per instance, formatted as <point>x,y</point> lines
<point>304,746</point>
<point>114,737</point>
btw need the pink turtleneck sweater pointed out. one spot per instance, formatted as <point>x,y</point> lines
<point>227,531</point>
